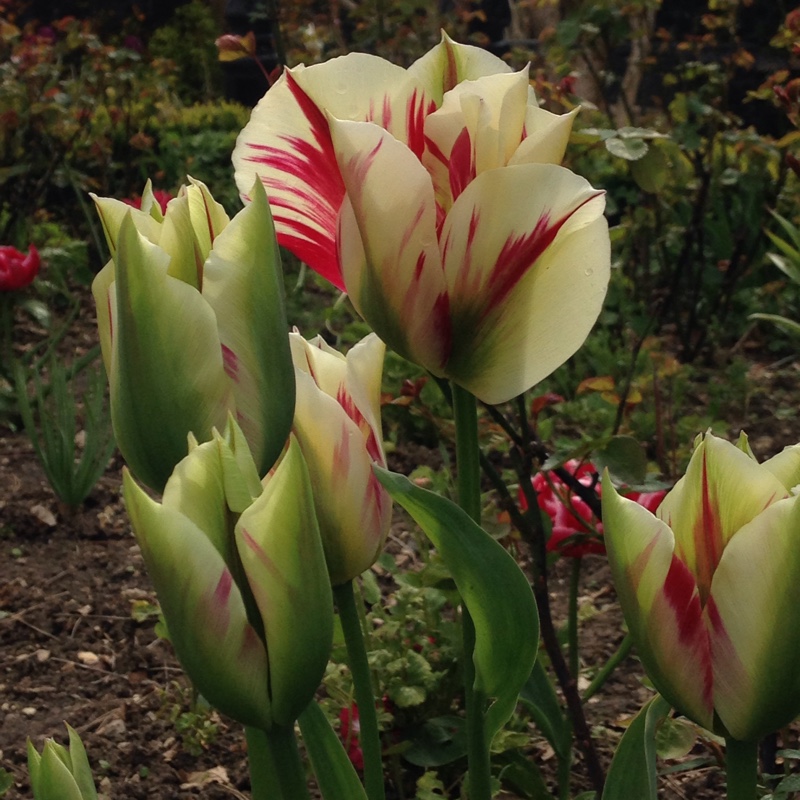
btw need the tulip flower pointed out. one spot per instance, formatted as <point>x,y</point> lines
<point>59,773</point>
<point>574,531</point>
<point>17,269</point>
<point>240,573</point>
<point>192,327</point>
<point>432,196</point>
<point>710,587</point>
<point>338,425</point>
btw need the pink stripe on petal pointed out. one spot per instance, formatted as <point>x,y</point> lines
<point>260,554</point>
<point>520,253</point>
<point>707,535</point>
<point>684,601</point>
<point>416,112</point>
<point>462,164</point>
<point>349,407</point>
<point>230,363</point>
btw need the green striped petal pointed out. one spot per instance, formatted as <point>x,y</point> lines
<point>281,551</point>
<point>243,284</point>
<point>785,466</point>
<point>205,613</point>
<point>167,376</point>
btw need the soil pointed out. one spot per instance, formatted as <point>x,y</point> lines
<point>78,641</point>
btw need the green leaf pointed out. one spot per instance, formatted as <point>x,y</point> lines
<point>629,149</point>
<point>789,325</point>
<point>492,587</point>
<point>6,781</point>
<point>625,459</point>
<point>633,768</point>
<point>437,741</point>
<point>81,770</point>
<point>336,776</point>
<point>651,171</point>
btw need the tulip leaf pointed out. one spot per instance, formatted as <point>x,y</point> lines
<point>633,768</point>
<point>81,770</point>
<point>336,776</point>
<point>493,588</point>
<point>55,779</point>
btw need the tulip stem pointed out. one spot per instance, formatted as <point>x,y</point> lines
<point>572,618</point>
<point>369,733</point>
<point>468,481</point>
<point>287,776</point>
<point>264,784</point>
<point>741,768</point>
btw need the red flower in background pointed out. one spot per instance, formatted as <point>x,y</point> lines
<point>350,733</point>
<point>159,195</point>
<point>17,269</point>
<point>575,532</point>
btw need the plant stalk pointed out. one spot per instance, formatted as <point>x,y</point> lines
<point>264,783</point>
<point>741,768</point>
<point>362,684</point>
<point>468,474</point>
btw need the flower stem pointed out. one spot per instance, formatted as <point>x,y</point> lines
<point>572,618</point>
<point>263,780</point>
<point>362,683</point>
<point>605,671</point>
<point>741,768</point>
<point>289,772</point>
<point>465,413</point>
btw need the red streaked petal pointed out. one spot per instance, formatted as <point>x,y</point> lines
<point>659,598</point>
<point>722,490</point>
<point>524,248</point>
<point>392,267</point>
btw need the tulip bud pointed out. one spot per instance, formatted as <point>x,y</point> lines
<point>240,574</point>
<point>338,425</point>
<point>184,340</point>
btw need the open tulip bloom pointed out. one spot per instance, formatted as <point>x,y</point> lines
<point>433,197</point>
<point>710,587</point>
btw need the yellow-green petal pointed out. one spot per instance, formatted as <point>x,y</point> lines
<point>754,616</point>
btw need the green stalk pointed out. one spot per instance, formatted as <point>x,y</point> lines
<point>362,683</point>
<point>289,771</point>
<point>572,618</point>
<point>741,768</point>
<point>605,672</point>
<point>263,778</point>
<point>465,414</point>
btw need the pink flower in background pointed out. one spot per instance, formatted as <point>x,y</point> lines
<point>17,269</point>
<point>576,532</point>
